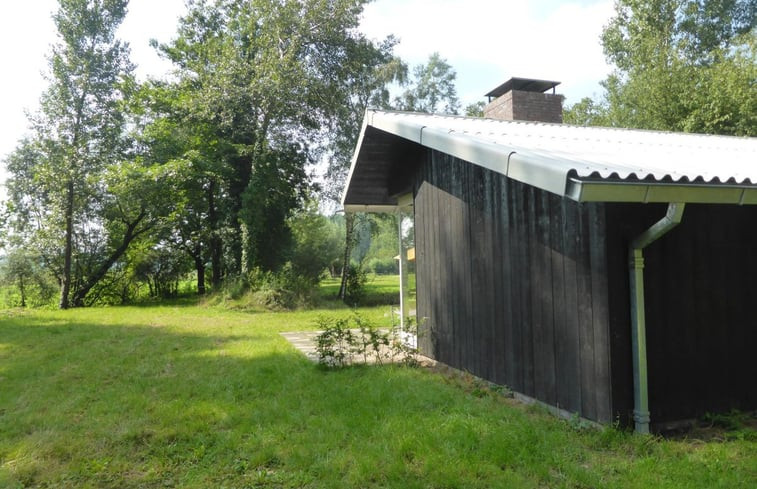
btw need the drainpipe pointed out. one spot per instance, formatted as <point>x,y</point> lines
<point>638,318</point>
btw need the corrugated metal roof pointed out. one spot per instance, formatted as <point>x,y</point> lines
<point>576,161</point>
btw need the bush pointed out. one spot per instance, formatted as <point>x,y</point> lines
<point>384,266</point>
<point>281,290</point>
<point>354,292</point>
<point>344,342</point>
<point>285,289</point>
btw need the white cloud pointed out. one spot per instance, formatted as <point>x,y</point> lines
<point>487,41</point>
<point>26,34</point>
<point>150,20</point>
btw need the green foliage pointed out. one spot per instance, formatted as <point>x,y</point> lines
<point>269,79</point>
<point>161,269</point>
<point>317,243</point>
<point>334,342</point>
<point>432,89</point>
<point>79,196</point>
<point>260,290</point>
<point>284,289</point>
<point>475,109</point>
<point>119,179</point>
<point>357,277</point>
<point>383,266</point>
<point>680,66</point>
<point>357,340</point>
<point>25,280</point>
<point>586,112</point>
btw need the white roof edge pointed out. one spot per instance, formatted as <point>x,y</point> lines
<point>355,154</point>
<point>378,208</point>
<point>555,170</point>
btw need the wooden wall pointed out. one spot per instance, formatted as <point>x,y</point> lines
<point>701,304</point>
<point>529,290</point>
<point>512,282</point>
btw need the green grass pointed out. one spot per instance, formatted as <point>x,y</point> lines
<point>379,290</point>
<point>178,395</point>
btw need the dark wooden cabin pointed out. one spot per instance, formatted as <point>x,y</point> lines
<point>523,232</point>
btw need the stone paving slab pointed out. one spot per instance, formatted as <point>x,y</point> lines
<point>304,341</point>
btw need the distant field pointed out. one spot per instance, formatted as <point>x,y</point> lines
<point>380,289</point>
<point>180,395</point>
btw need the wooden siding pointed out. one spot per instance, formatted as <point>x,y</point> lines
<point>526,289</point>
<point>700,295</point>
<point>512,285</point>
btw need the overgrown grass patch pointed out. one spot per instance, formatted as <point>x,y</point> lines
<point>379,290</point>
<point>186,396</point>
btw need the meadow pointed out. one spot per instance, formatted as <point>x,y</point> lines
<point>188,395</point>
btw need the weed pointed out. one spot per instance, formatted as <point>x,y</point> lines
<point>346,341</point>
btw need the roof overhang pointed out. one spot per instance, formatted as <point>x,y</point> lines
<point>591,191</point>
<point>391,145</point>
<point>525,84</point>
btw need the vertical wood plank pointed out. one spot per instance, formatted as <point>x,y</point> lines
<point>600,314</point>
<point>567,372</point>
<point>585,316</point>
<point>544,334</point>
<point>503,327</point>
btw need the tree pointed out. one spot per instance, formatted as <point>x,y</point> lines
<point>55,182</point>
<point>432,89</point>
<point>169,134</point>
<point>317,241</point>
<point>476,109</point>
<point>586,112</point>
<point>271,79</point>
<point>683,65</point>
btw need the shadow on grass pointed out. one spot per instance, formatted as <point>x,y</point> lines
<point>128,406</point>
<point>153,405</point>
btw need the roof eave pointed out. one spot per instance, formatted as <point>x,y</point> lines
<point>554,173</point>
<point>650,192</point>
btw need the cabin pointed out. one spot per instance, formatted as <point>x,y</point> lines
<point>609,273</point>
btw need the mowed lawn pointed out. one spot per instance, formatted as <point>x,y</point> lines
<point>198,397</point>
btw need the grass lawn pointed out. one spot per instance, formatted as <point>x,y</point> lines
<point>188,396</point>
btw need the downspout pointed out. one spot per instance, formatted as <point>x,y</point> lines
<point>638,318</point>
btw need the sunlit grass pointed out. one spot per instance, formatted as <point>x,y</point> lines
<point>179,395</point>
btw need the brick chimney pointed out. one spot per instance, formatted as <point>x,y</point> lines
<point>525,99</point>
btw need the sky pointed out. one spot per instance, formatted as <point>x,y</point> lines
<point>486,41</point>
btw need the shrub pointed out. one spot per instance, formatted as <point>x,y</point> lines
<point>285,289</point>
<point>355,340</point>
<point>384,266</point>
<point>357,277</point>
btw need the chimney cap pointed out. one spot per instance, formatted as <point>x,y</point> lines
<point>524,84</point>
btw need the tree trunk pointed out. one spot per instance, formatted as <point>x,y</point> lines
<point>200,267</point>
<point>247,249</point>
<point>22,290</point>
<point>216,245</point>
<point>349,223</point>
<point>242,173</point>
<point>129,235</point>
<point>68,247</point>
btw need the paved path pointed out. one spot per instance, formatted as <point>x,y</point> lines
<point>304,341</point>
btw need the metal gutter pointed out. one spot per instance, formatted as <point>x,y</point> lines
<point>645,192</point>
<point>672,218</point>
<point>379,208</point>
